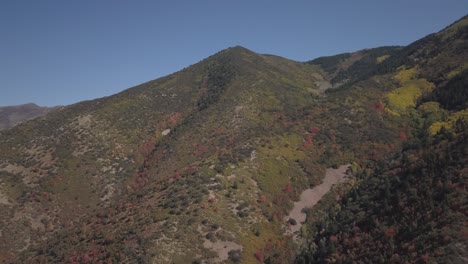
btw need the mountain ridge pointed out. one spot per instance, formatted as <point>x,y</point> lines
<point>213,156</point>
<point>15,114</point>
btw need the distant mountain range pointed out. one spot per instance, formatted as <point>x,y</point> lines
<point>205,165</point>
<point>13,115</point>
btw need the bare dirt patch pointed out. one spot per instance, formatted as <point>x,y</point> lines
<point>29,177</point>
<point>4,198</point>
<point>220,247</point>
<point>310,197</point>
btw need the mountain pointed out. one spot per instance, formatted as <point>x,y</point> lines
<point>204,165</point>
<point>13,115</point>
<point>410,206</point>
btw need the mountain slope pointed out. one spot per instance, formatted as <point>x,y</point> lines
<point>409,210</point>
<point>410,206</point>
<point>205,164</point>
<point>123,149</point>
<point>349,67</point>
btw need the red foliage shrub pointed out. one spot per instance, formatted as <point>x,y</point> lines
<point>464,234</point>
<point>174,118</point>
<point>314,130</point>
<point>425,258</point>
<point>86,258</point>
<point>201,150</point>
<point>278,215</point>
<point>378,106</point>
<point>390,232</point>
<point>403,136</point>
<point>308,142</point>
<point>259,256</point>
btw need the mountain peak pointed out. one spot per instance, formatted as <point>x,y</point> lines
<point>236,56</point>
<point>237,47</point>
<point>236,51</point>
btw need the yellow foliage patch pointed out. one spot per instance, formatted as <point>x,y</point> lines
<point>405,75</point>
<point>382,58</point>
<point>406,95</point>
<point>449,123</point>
<point>391,112</point>
<point>429,108</point>
<point>457,71</point>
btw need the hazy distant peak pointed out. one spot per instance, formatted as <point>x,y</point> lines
<point>15,114</point>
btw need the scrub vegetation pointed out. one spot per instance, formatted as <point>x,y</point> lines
<point>204,165</point>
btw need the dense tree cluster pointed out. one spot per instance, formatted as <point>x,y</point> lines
<point>453,94</point>
<point>219,75</point>
<point>408,213</point>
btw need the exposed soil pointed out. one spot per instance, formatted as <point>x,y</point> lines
<point>221,247</point>
<point>310,197</point>
<point>4,198</point>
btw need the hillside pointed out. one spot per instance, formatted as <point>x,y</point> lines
<point>411,209</point>
<point>13,115</point>
<point>410,206</point>
<point>204,165</point>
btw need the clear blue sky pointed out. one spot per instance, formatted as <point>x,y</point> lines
<point>63,51</point>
